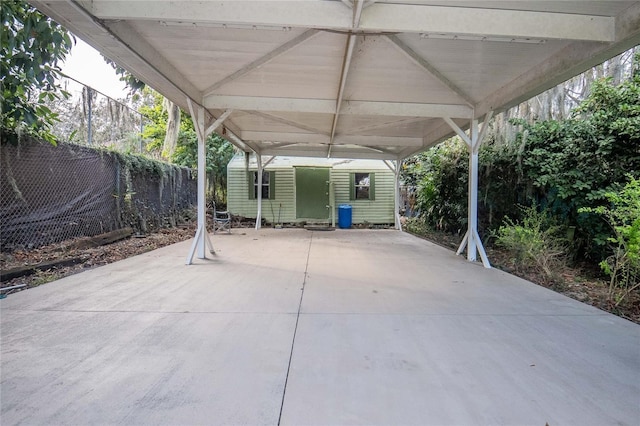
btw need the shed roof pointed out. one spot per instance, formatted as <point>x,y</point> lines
<point>351,78</point>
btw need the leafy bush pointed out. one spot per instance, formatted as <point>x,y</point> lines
<point>416,226</point>
<point>442,190</point>
<point>219,152</point>
<point>563,166</point>
<point>573,163</point>
<point>536,242</point>
<point>623,215</point>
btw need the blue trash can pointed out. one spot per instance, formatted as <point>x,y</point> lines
<point>344,216</point>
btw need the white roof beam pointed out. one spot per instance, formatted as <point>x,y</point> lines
<point>281,145</point>
<point>357,12</point>
<point>570,61</point>
<point>306,14</point>
<point>378,149</point>
<point>279,51</point>
<point>297,151</point>
<point>328,106</point>
<point>255,103</point>
<point>242,143</point>
<point>341,151</point>
<point>338,152</point>
<point>130,54</point>
<point>383,125</point>
<point>311,138</point>
<point>348,3</point>
<point>239,144</point>
<point>284,137</point>
<point>228,126</point>
<point>378,141</point>
<point>346,66</point>
<point>216,122</point>
<point>408,152</point>
<point>136,43</point>
<point>437,132</point>
<point>379,17</point>
<point>368,3</point>
<point>494,22</point>
<point>425,65</point>
<point>288,122</point>
<point>406,109</point>
<point>466,138</point>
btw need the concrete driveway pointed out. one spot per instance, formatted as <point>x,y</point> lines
<point>295,327</point>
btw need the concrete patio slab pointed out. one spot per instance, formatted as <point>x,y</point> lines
<point>297,327</point>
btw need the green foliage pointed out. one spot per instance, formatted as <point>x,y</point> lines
<point>562,166</point>
<point>443,186</point>
<point>615,110</point>
<point>126,77</point>
<point>416,226</point>
<point>623,215</point>
<point>31,47</point>
<point>219,152</point>
<point>573,163</point>
<point>536,242</point>
<point>501,186</point>
<point>156,125</point>
<point>412,171</point>
<point>142,165</point>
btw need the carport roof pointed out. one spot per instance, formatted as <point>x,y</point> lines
<point>350,79</point>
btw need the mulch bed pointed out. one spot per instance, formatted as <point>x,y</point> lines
<point>86,257</point>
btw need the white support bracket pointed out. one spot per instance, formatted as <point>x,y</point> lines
<point>471,240</point>
<point>201,240</point>
<point>259,192</point>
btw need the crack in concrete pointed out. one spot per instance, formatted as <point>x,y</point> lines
<point>295,330</point>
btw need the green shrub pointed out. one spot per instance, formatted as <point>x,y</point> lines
<point>623,215</point>
<point>562,166</point>
<point>442,188</point>
<point>536,242</point>
<point>416,225</point>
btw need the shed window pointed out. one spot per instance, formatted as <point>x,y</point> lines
<point>268,185</point>
<point>362,186</point>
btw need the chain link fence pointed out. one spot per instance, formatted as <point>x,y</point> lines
<point>51,193</point>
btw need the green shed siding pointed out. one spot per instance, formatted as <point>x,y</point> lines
<point>238,195</point>
<point>379,210</point>
<point>375,211</point>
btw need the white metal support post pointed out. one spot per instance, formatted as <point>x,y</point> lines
<point>396,168</point>
<point>259,192</point>
<point>259,189</point>
<point>201,240</point>
<point>397,199</point>
<point>471,240</point>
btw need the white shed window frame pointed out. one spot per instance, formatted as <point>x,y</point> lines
<point>268,182</point>
<point>358,181</point>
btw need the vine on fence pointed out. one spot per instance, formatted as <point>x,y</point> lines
<point>50,194</point>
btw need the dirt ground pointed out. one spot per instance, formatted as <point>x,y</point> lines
<point>577,282</point>
<point>89,258</point>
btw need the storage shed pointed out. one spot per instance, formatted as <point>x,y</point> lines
<point>303,189</point>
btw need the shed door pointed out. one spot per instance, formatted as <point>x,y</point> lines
<point>312,193</point>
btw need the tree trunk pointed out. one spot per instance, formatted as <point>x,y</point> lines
<point>173,128</point>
